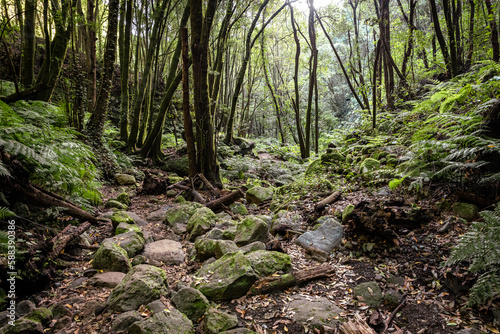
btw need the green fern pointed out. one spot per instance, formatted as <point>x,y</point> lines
<point>479,247</point>
<point>5,213</point>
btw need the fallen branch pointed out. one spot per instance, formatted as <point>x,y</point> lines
<point>61,240</point>
<point>209,185</point>
<point>329,200</point>
<point>280,282</point>
<point>196,195</point>
<point>229,198</point>
<point>393,314</point>
<point>356,326</point>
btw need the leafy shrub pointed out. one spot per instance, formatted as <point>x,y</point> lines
<point>479,247</point>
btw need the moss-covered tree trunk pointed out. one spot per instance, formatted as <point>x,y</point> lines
<point>201,25</point>
<point>95,125</point>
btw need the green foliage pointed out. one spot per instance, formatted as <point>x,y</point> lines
<point>479,247</point>
<point>37,134</point>
<point>394,184</point>
<point>5,213</point>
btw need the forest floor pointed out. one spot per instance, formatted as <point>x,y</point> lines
<point>434,299</point>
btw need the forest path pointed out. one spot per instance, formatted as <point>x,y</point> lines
<point>413,270</point>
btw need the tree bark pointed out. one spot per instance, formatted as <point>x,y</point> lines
<point>312,77</point>
<point>95,125</point>
<point>440,37</point>
<point>28,68</point>
<point>494,31</point>
<point>188,122</point>
<point>124,69</point>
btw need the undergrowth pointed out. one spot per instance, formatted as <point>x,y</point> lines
<point>36,134</point>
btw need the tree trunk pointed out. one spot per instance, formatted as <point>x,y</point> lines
<point>201,26</point>
<point>296,103</point>
<point>95,125</point>
<point>124,69</point>
<point>188,122</point>
<point>440,37</point>
<point>151,147</point>
<point>451,37</point>
<point>312,77</point>
<point>28,68</point>
<point>241,73</point>
<point>145,79</point>
<point>494,30</point>
<point>470,52</point>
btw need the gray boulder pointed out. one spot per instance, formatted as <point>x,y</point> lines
<point>23,326</point>
<point>142,285</point>
<point>226,278</point>
<point>191,302</point>
<point>254,246</point>
<point>314,311</point>
<point>125,320</point>
<point>207,248</point>
<point>166,251</point>
<point>172,321</point>
<point>137,220</point>
<point>251,229</point>
<point>124,228</point>
<point>107,280</point>
<point>113,203</point>
<point>266,263</point>
<point>111,257</point>
<point>326,238</point>
<point>466,211</point>
<point>120,217</point>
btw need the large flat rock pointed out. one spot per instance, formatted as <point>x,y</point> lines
<point>166,251</point>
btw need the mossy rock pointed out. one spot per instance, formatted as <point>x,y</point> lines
<point>178,166</point>
<point>227,278</point>
<point>238,208</point>
<point>142,285</point>
<point>124,228</point>
<point>112,203</point>
<point>332,157</point>
<point>120,217</point>
<point>181,214</point>
<point>266,263</point>
<point>251,229</point>
<point>466,211</point>
<point>369,165</point>
<point>172,321</point>
<point>124,179</point>
<point>42,315</point>
<point>202,220</point>
<point>369,293</point>
<point>217,321</point>
<point>258,195</point>
<point>191,302</point>
<point>111,257</point>
<point>131,241</point>
<point>124,198</point>
<point>346,214</point>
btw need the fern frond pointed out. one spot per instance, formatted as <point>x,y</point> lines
<point>5,213</point>
<point>4,172</point>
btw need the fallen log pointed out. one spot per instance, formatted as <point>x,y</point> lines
<point>329,200</point>
<point>229,198</point>
<point>61,240</point>
<point>280,282</point>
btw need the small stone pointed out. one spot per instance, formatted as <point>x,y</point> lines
<point>166,251</point>
<point>171,193</point>
<point>393,297</point>
<point>107,280</point>
<point>124,198</point>
<point>466,211</point>
<point>257,195</point>
<point>368,293</point>
<point>24,307</point>
<point>191,302</point>
<point>120,217</point>
<point>156,306</point>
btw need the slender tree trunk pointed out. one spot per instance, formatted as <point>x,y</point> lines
<point>188,122</point>
<point>470,52</point>
<point>451,37</point>
<point>296,101</point>
<point>95,125</point>
<point>271,91</point>
<point>125,72</point>
<point>139,98</point>
<point>375,84</point>
<point>440,37</point>
<point>28,68</point>
<point>494,31</point>
<point>312,77</point>
<point>91,58</point>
